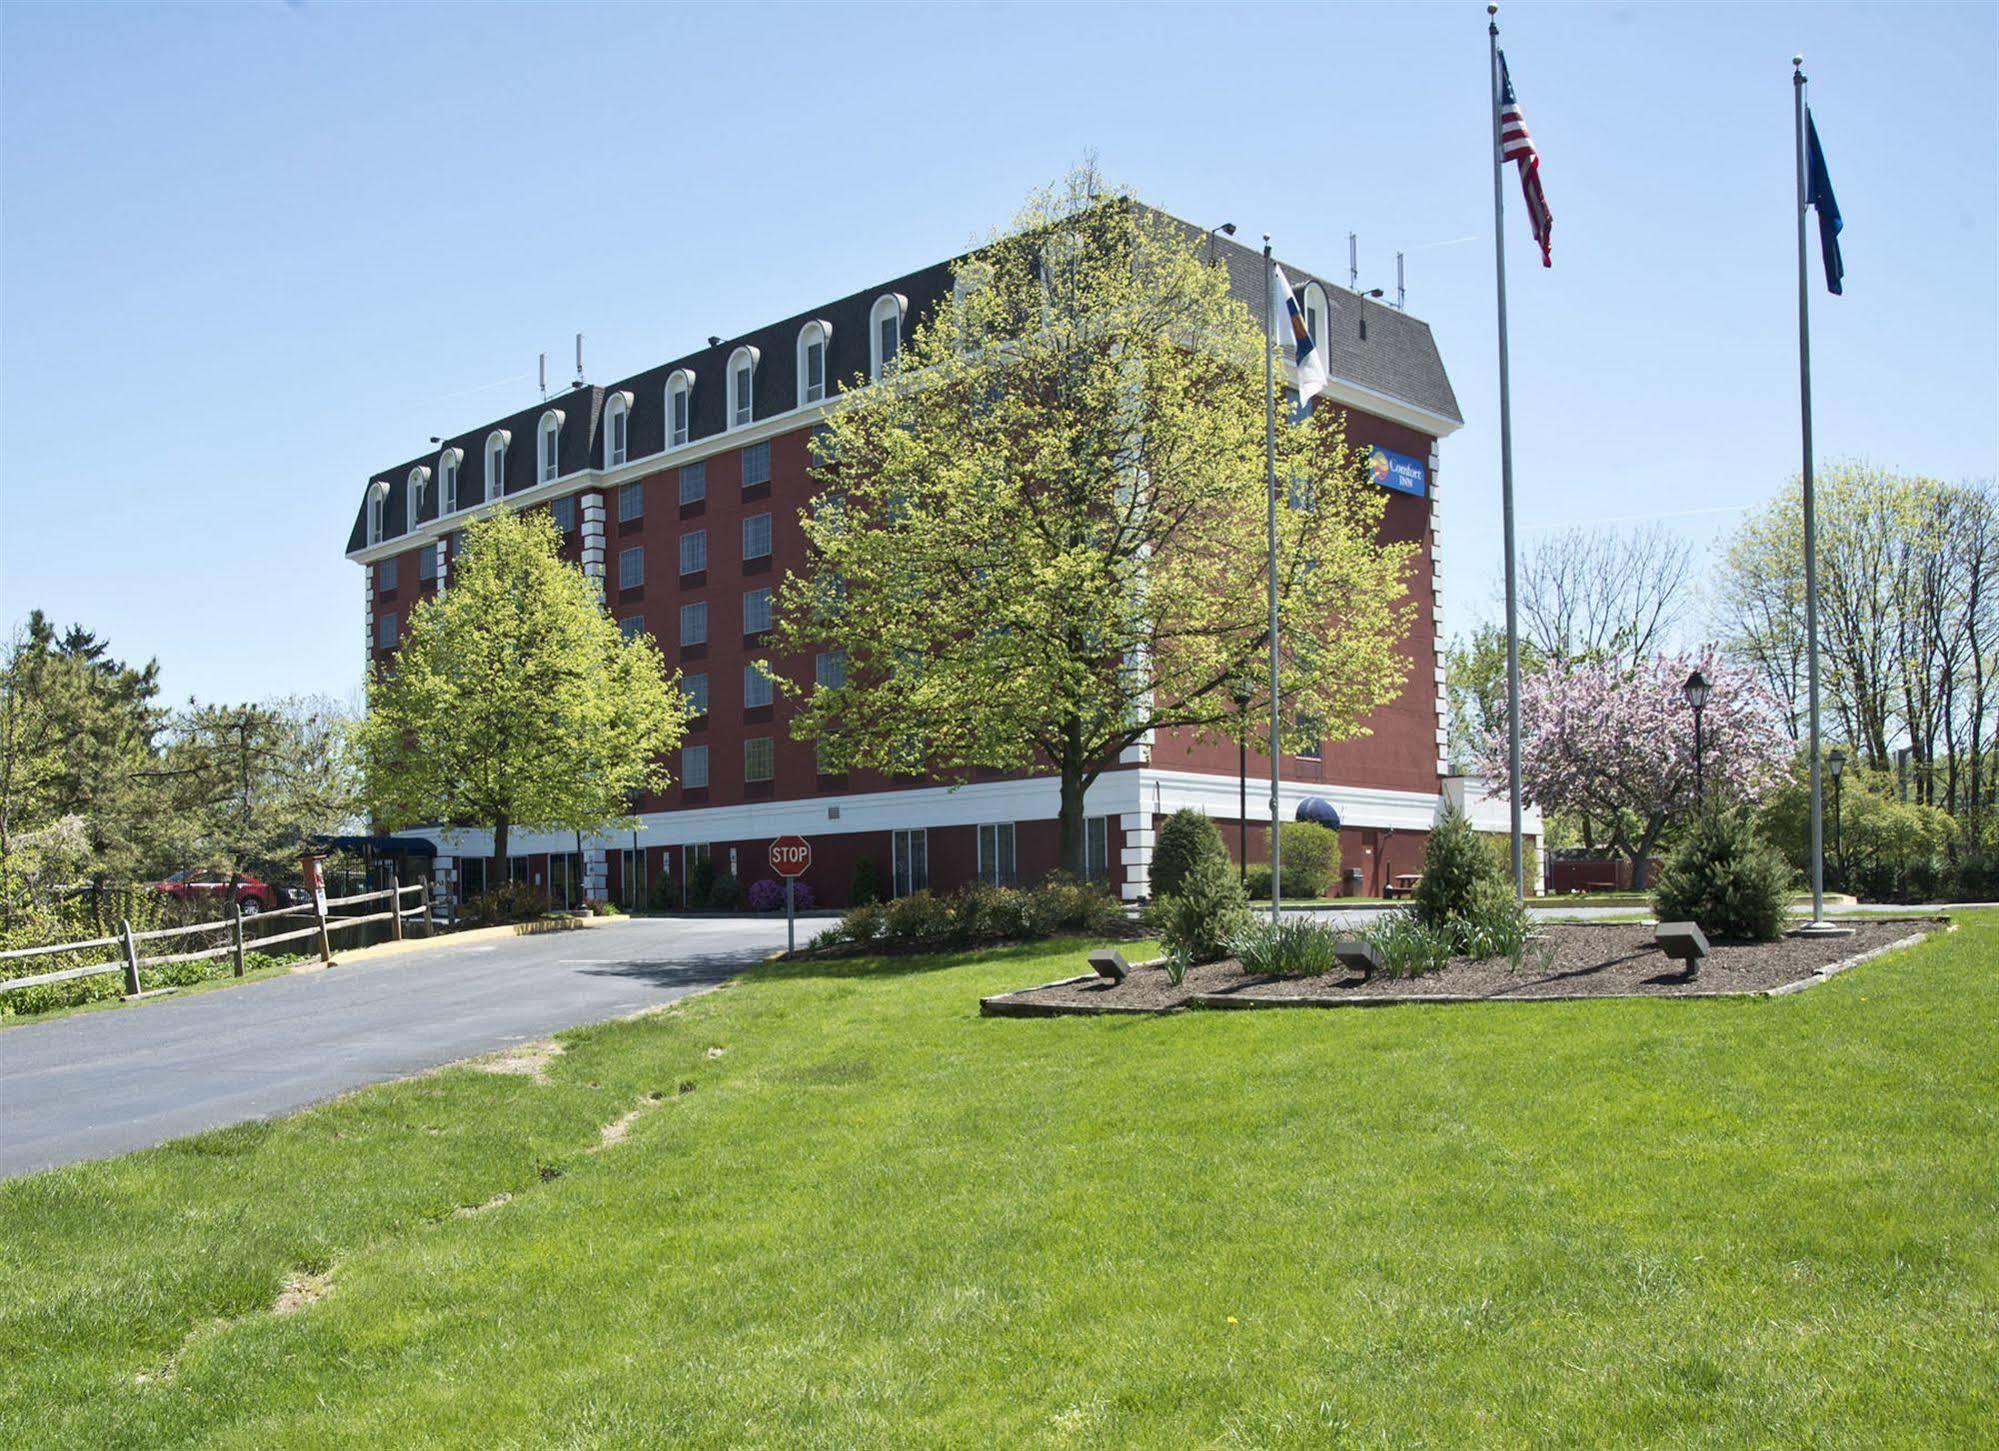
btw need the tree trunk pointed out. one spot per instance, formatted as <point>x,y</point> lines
<point>1075,846</point>
<point>496,871</point>
<point>1641,854</point>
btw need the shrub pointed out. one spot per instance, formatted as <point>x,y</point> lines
<point>606,909</point>
<point>1309,856</point>
<point>1286,949</point>
<point>508,902</point>
<point>664,895</point>
<point>700,882</point>
<point>1497,925</point>
<point>1187,837</point>
<point>920,916</point>
<point>987,913</point>
<point>1206,914</point>
<point>1725,877</point>
<point>768,896</point>
<point>726,894</point>
<point>867,884</point>
<point>1453,867</point>
<point>1062,904</point>
<point>864,922</point>
<point>1256,884</point>
<point>1407,946</point>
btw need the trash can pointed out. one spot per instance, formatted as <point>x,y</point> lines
<point>1350,882</point>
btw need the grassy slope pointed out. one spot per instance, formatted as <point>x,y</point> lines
<point>880,1219</point>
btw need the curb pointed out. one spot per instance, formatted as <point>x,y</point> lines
<point>447,939</point>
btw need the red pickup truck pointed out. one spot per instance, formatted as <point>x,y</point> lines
<point>193,886</point>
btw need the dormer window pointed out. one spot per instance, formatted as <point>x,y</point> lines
<point>812,341</point>
<point>378,507</point>
<point>679,397</point>
<point>413,498</point>
<point>496,464</point>
<point>548,445</point>
<point>885,334</point>
<point>447,481</point>
<point>617,429</point>
<point>742,387</point>
<point>1317,311</point>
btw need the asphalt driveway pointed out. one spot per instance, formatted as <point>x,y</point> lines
<point>98,1084</point>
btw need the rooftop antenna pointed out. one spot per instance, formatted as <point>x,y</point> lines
<point>1353,261</point>
<point>1401,284</point>
<point>579,360</point>
<point>544,377</point>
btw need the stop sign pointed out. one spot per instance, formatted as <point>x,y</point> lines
<point>790,856</point>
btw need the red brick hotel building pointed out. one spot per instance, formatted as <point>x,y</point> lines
<point>681,487</point>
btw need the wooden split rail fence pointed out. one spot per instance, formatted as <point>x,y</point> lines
<point>320,928</point>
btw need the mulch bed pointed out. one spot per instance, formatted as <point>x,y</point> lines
<point>1584,961</point>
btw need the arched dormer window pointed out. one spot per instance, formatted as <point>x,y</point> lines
<point>742,386</point>
<point>496,463</point>
<point>378,510</point>
<point>813,341</point>
<point>413,498</point>
<point>679,407</point>
<point>548,447</point>
<point>1318,312</point>
<point>447,480</point>
<point>617,429</point>
<point>885,333</point>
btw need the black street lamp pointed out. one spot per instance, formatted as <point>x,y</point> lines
<point>1239,693</point>
<point>1696,690</point>
<point>1835,762</point>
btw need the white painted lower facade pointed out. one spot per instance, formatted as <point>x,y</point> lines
<point>1135,796</point>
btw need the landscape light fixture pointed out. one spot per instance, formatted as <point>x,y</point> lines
<point>1696,691</point>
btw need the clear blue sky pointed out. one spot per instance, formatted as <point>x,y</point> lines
<point>251,253</point>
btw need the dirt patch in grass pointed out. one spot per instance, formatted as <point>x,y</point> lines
<point>1587,960</point>
<point>301,1290</point>
<point>615,1131</point>
<point>529,1060</point>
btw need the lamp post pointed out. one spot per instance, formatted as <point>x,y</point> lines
<point>1835,762</point>
<point>1239,693</point>
<point>1696,692</point>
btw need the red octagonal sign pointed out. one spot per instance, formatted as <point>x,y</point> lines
<point>790,856</point>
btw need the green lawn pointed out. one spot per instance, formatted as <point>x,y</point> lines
<point>877,1219</point>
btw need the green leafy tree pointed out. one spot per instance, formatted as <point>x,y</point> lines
<point>1459,870</point>
<point>514,700</point>
<point>1187,836</point>
<point>1044,537</point>
<point>1877,830</point>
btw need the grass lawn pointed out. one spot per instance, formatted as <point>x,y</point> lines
<point>876,1219</point>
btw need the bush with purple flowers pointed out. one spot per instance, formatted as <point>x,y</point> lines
<point>768,896</point>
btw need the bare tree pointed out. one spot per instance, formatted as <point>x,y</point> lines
<point>1605,594</point>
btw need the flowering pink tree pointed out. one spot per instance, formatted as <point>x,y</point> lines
<point>1615,743</point>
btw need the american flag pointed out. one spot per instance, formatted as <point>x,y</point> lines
<point>1516,145</point>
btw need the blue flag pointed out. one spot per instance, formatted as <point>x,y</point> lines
<point>1818,193</point>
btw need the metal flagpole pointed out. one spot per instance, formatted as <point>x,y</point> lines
<point>1811,521</point>
<point>1506,470</point>
<point>1270,470</point>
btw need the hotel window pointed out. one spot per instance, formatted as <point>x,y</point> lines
<point>385,575</point>
<point>756,537</point>
<point>694,482</point>
<point>694,623</point>
<point>631,568</point>
<point>695,689</point>
<point>378,517</point>
<point>1097,848</point>
<point>617,429</point>
<point>413,499</point>
<point>632,626</point>
<point>631,501</point>
<point>694,767</point>
<point>563,512</point>
<point>756,688</point>
<point>549,447</point>
<point>426,563</point>
<point>694,551</point>
<point>1317,310</point>
<point>996,854</point>
<point>756,611</point>
<point>679,392</point>
<point>496,465</point>
<point>911,850</point>
<point>829,669</point>
<point>447,481</point>
<point>756,464</point>
<point>385,631</point>
<point>885,341</point>
<point>812,340</point>
<point>758,759</point>
<point>742,387</point>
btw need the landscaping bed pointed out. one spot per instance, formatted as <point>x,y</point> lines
<point>1587,960</point>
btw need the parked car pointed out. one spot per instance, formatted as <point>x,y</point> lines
<point>253,894</point>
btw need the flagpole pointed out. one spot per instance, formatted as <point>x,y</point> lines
<point>1810,503</point>
<point>1270,480</point>
<point>1506,470</point>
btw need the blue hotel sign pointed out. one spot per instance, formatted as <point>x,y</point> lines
<point>1397,471</point>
